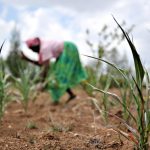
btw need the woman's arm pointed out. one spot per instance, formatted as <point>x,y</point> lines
<point>33,62</point>
<point>45,70</point>
<point>29,55</point>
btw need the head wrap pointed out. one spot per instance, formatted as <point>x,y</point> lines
<point>33,42</point>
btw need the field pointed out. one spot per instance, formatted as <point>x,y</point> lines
<point>116,115</point>
<point>76,126</point>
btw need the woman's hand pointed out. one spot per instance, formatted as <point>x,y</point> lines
<point>27,59</point>
<point>22,55</point>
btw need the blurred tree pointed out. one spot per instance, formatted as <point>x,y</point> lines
<point>114,56</point>
<point>107,48</point>
<point>14,62</point>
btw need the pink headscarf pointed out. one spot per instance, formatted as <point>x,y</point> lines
<point>33,42</point>
<point>48,49</point>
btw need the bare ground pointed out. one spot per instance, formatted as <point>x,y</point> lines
<point>75,126</point>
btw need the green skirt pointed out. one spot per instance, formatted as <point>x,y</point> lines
<point>66,72</point>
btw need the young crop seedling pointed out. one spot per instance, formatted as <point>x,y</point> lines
<point>4,95</point>
<point>31,125</point>
<point>139,134</point>
<point>26,85</point>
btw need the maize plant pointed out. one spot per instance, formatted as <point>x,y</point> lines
<point>4,96</point>
<point>139,134</point>
<point>26,85</point>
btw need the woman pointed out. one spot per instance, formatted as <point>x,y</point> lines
<point>67,70</point>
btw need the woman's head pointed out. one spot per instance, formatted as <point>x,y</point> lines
<point>34,44</point>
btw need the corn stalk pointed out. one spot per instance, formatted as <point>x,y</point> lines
<point>142,121</point>
<point>4,96</point>
<point>26,85</point>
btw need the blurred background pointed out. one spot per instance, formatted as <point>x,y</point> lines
<point>87,23</point>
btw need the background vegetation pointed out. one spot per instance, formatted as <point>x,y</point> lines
<point>107,70</point>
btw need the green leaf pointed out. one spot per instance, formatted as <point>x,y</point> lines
<point>137,61</point>
<point>121,71</point>
<point>1,46</point>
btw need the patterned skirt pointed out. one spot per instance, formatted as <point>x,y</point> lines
<point>66,72</point>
